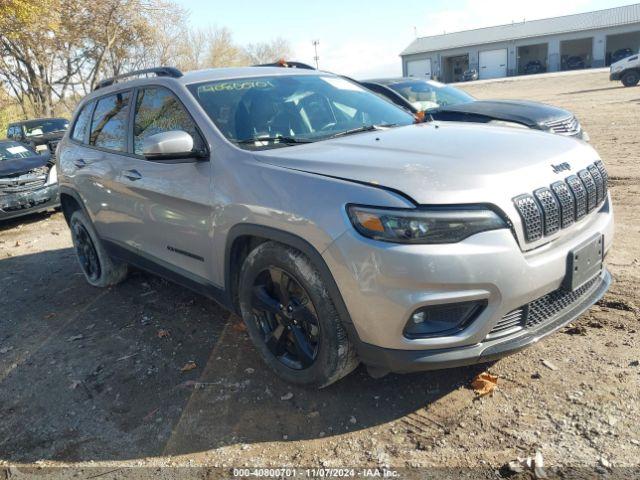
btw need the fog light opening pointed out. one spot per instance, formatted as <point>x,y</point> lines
<point>445,319</point>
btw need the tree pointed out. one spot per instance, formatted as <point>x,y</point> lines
<point>48,58</point>
<point>269,52</point>
<point>222,51</point>
<point>52,52</point>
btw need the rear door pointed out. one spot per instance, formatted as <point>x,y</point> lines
<point>166,203</point>
<point>100,163</point>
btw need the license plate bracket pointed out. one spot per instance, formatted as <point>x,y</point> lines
<point>584,262</point>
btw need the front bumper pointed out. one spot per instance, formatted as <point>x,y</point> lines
<point>382,284</point>
<point>614,76</point>
<point>403,361</point>
<point>25,203</point>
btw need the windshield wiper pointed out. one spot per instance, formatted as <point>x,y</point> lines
<point>275,139</point>
<point>364,128</point>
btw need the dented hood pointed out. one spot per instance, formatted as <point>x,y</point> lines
<point>442,162</point>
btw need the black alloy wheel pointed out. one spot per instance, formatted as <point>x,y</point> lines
<point>86,251</point>
<point>286,318</point>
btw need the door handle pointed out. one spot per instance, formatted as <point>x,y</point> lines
<point>80,163</point>
<point>132,175</point>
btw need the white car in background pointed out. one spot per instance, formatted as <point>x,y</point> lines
<point>626,70</point>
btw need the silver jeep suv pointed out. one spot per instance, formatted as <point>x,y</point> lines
<point>337,227</point>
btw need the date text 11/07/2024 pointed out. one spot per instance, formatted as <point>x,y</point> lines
<point>316,472</point>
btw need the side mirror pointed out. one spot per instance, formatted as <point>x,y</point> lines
<point>171,145</point>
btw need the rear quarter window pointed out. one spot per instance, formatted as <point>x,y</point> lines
<point>82,121</point>
<point>110,122</point>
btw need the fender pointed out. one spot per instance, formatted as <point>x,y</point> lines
<point>65,190</point>
<point>286,238</point>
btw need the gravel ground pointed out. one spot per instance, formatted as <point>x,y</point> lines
<point>93,379</point>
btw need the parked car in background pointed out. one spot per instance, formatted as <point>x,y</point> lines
<point>575,63</point>
<point>447,103</point>
<point>41,134</point>
<point>28,180</point>
<point>339,228</point>
<point>534,66</point>
<point>470,75</point>
<point>626,70</point>
<point>621,54</point>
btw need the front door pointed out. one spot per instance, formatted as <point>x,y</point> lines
<point>169,201</point>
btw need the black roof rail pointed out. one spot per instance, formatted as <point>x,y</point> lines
<point>159,71</point>
<point>285,64</point>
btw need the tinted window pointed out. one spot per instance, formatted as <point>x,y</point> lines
<point>158,110</point>
<point>80,127</point>
<point>427,94</point>
<point>34,128</point>
<point>109,125</point>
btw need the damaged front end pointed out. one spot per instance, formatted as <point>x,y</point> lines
<point>22,193</point>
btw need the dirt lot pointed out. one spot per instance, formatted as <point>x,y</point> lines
<point>92,378</point>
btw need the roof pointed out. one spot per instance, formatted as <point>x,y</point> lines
<point>198,76</point>
<point>535,28</point>
<point>390,81</point>
<point>212,74</point>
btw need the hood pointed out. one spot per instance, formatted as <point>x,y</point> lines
<point>620,64</point>
<point>442,162</point>
<point>45,138</point>
<point>521,111</point>
<point>19,166</point>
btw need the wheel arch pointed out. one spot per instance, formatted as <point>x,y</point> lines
<point>70,201</point>
<point>244,237</point>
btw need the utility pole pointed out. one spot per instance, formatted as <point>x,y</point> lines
<point>315,48</point>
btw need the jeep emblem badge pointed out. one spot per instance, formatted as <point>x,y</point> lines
<point>560,167</point>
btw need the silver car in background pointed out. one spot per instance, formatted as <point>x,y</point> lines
<point>337,228</point>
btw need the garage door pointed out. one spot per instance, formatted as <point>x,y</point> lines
<point>419,68</point>
<point>493,63</point>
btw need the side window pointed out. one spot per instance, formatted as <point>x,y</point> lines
<point>10,131</point>
<point>109,124</point>
<point>82,120</point>
<point>158,110</point>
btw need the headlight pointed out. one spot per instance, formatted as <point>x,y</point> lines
<point>53,176</point>
<point>423,225</point>
<point>504,123</point>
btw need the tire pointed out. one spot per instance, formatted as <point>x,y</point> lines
<point>631,78</point>
<point>313,316</point>
<point>99,269</point>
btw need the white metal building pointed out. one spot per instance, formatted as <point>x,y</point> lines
<point>584,40</point>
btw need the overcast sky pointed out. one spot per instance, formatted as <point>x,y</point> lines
<point>364,38</point>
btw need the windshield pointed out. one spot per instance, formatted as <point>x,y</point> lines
<point>289,109</point>
<point>427,94</point>
<point>42,127</point>
<point>14,150</point>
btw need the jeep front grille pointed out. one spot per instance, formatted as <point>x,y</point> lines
<point>531,216</point>
<point>550,210</point>
<point>579,194</point>
<point>590,185</point>
<point>568,126</point>
<point>541,310</point>
<point>567,201</point>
